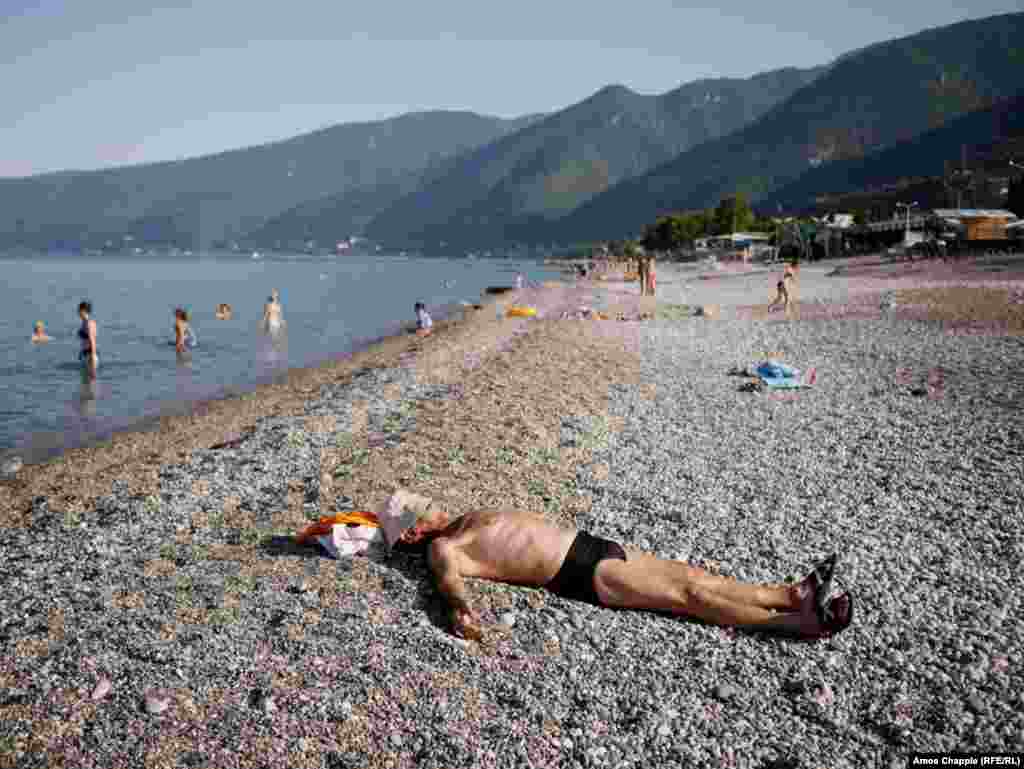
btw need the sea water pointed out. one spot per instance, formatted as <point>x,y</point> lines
<point>332,306</point>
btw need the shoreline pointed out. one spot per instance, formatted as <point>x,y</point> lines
<point>31,455</point>
<point>218,419</point>
<point>217,415</point>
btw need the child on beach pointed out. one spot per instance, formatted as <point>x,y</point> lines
<point>424,323</point>
<point>785,296</point>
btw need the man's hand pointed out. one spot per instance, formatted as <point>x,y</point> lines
<point>466,625</point>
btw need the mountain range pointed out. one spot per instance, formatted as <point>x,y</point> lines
<point>599,169</point>
<point>923,157</point>
<point>878,97</point>
<point>551,167</point>
<point>194,202</point>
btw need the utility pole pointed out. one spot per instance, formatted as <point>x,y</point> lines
<point>908,206</point>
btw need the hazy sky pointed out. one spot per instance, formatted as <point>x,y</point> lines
<point>94,83</point>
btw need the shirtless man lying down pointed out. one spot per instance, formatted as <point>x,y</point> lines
<point>524,549</point>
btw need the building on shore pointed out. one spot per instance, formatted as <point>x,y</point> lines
<point>978,223</point>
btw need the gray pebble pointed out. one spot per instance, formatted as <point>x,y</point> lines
<point>724,692</point>
<point>11,467</point>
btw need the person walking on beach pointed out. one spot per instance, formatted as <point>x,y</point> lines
<point>522,548</point>
<point>87,336</point>
<point>785,291</point>
<point>641,269</point>
<point>651,275</point>
<point>39,334</point>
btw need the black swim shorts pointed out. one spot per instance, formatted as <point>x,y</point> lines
<point>576,577</point>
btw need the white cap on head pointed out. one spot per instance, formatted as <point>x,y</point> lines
<point>400,512</point>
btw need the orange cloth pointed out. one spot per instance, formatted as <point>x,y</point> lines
<point>326,524</point>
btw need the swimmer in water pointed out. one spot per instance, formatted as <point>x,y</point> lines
<point>87,334</point>
<point>273,321</point>
<point>184,338</point>
<point>424,323</point>
<point>39,333</point>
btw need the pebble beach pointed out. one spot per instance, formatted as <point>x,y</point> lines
<point>155,612</point>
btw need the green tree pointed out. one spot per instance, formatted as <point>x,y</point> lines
<point>666,234</point>
<point>1015,196</point>
<point>733,214</point>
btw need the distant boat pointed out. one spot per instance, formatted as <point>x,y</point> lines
<point>256,255</point>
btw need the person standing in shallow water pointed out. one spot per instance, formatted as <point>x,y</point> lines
<point>184,339</point>
<point>87,335</point>
<point>39,334</point>
<point>424,323</point>
<point>273,314</point>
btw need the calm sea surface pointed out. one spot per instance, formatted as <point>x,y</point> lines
<point>331,305</point>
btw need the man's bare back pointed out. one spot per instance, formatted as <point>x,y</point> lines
<point>524,549</point>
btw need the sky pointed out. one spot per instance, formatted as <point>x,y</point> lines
<point>99,83</point>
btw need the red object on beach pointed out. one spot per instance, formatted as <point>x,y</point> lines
<point>327,523</point>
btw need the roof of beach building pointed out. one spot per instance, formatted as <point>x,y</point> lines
<point>973,213</point>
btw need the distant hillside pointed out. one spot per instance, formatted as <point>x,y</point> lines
<point>869,100</point>
<point>981,132</point>
<point>328,220</point>
<point>194,202</point>
<point>552,166</point>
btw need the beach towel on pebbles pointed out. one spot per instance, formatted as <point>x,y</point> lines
<point>351,533</point>
<point>779,376</point>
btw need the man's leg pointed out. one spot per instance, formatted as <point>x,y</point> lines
<point>654,584</point>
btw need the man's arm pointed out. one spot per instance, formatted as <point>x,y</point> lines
<point>445,565</point>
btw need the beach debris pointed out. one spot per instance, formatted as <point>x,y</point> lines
<point>102,689</point>
<point>585,313</point>
<point>11,467</point>
<point>708,311</point>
